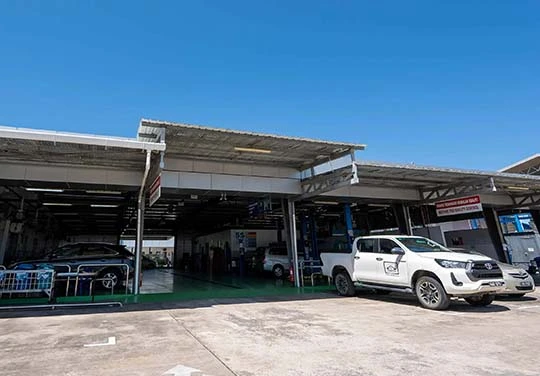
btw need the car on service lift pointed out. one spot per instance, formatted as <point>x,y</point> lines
<point>106,256</point>
<point>518,281</point>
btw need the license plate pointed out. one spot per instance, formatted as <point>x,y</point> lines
<point>496,284</point>
<point>525,284</point>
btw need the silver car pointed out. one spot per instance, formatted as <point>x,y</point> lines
<point>518,281</point>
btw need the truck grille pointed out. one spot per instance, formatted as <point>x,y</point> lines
<point>485,270</point>
<point>518,275</point>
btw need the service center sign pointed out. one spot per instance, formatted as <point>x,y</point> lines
<point>457,206</point>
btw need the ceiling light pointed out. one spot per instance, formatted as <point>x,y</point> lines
<point>56,204</point>
<point>326,202</point>
<point>105,192</point>
<point>30,189</point>
<point>517,188</point>
<point>103,206</point>
<point>252,150</point>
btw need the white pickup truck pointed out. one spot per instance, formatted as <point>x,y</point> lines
<point>414,265</point>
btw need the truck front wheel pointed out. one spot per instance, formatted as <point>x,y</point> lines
<point>431,293</point>
<point>480,301</point>
<point>344,284</point>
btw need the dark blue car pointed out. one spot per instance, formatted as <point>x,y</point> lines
<point>105,260</point>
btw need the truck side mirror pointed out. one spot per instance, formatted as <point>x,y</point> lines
<point>397,251</point>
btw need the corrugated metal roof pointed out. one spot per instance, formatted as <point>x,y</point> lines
<point>201,142</point>
<point>399,175</point>
<point>20,144</point>
<point>530,165</point>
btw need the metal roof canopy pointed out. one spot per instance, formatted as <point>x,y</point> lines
<point>433,183</point>
<point>30,145</point>
<point>529,166</point>
<point>200,142</point>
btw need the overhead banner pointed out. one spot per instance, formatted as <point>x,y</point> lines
<point>457,206</point>
<point>155,190</point>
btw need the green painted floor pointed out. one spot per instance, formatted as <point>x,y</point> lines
<point>165,285</point>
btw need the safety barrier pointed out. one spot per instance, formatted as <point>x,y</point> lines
<point>92,276</point>
<point>313,268</point>
<point>27,282</point>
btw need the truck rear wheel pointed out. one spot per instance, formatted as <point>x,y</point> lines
<point>480,301</point>
<point>431,293</point>
<point>344,284</point>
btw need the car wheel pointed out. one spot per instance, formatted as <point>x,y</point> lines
<point>480,300</point>
<point>431,294</point>
<point>111,278</point>
<point>344,284</point>
<point>278,271</point>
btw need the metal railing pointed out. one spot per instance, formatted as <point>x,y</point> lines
<point>27,282</point>
<point>88,275</point>
<point>313,268</point>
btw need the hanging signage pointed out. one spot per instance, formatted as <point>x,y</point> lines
<point>457,206</point>
<point>155,191</point>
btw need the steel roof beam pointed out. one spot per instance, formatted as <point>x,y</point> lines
<point>75,138</point>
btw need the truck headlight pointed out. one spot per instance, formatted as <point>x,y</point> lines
<point>452,264</point>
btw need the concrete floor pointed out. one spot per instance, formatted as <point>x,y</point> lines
<point>317,334</point>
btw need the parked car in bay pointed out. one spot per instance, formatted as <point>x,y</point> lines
<point>518,281</point>
<point>104,259</point>
<point>276,260</point>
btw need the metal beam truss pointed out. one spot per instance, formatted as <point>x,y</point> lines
<point>455,190</point>
<point>330,181</point>
<point>526,200</point>
<point>533,170</point>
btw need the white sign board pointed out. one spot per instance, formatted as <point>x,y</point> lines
<point>458,206</point>
<point>155,191</point>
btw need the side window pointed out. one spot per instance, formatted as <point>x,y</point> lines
<point>68,251</point>
<point>278,251</point>
<point>386,245</point>
<point>98,251</point>
<point>366,245</point>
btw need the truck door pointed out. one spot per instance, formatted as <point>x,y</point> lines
<point>365,263</point>
<point>391,268</point>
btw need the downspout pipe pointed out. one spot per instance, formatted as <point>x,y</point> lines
<point>140,225</point>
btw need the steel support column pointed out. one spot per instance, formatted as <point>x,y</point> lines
<point>140,226</point>
<point>495,232</point>
<point>349,225</point>
<point>4,240</point>
<point>403,219</point>
<point>292,230</point>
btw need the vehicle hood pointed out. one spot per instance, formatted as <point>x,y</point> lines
<point>453,256</point>
<point>509,268</point>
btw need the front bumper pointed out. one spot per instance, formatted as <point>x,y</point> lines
<point>459,284</point>
<point>518,286</point>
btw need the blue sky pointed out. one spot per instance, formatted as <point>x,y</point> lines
<point>418,81</point>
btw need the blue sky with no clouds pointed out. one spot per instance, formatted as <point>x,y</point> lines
<point>431,82</point>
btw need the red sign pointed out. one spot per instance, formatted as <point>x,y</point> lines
<point>457,206</point>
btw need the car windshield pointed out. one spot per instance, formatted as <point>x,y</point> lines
<point>422,245</point>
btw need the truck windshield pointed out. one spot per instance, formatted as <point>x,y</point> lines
<point>422,245</point>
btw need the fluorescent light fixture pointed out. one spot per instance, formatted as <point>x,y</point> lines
<point>103,206</point>
<point>326,202</point>
<point>518,188</point>
<point>56,204</point>
<point>105,192</point>
<point>252,150</point>
<point>30,189</point>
